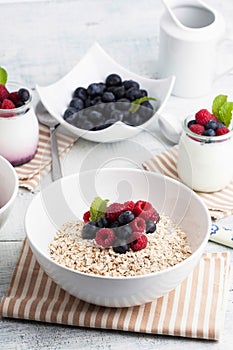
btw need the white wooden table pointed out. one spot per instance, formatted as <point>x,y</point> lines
<point>40,42</point>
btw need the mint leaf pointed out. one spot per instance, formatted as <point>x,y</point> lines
<point>3,76</point>
<point>135,105</point>
<point>225,113</point>
<point>218,103</point>
<point>98,208</point>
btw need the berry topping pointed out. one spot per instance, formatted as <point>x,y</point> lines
<point>138,224</point>
<point>86,216</point>
<point>140,207</point>
<point>129,205</point>
<point>197,129</point>
<point>203,116</point>
<point>89,230</point>
<point>154,215</point>
<point>125,217</point>
<point>102,222</point>
<point>113,211</point>
<point>3,92</point>
<point>209,132</point>
<point>123,232</point>
<point>24,94</point>
<point>211,124</point>
<point>222,131</point>
<point>150,226</point>
<point>105,237</point>
<point>139,241</point>
<point>121,248</point>
<point>7,104</point>
<point>14,97</point>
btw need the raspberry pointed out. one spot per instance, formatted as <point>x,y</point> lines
<point>7,104</point>
<point>141,206</point>
<point>222,131</point>
<point>139,241</point>
<point>86,216</point>
<point>213,117</point>
<point>3,92</point>
<point>129,205</point>
<point>113,211</point>
<point>105,237</point>
<point>203,116</point>
<point>154,216</point>
<point>138,224</point>
<point>197,129</point>
<point>14,97</point>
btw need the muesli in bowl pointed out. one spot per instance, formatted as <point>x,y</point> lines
<point>120,239</point>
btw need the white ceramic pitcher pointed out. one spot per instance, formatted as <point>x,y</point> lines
<point>188,44</point>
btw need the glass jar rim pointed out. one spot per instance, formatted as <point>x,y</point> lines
<point>203,138</point>
<point>17,110</point>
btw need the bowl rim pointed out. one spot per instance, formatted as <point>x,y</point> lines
<point>123,278</point>
<point>16,185</point>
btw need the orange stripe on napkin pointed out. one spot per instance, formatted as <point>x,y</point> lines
<point>194,309</point>
<point>219,203</point>
<point>30,173</point>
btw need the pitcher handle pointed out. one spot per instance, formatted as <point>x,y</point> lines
<point>229,69</point>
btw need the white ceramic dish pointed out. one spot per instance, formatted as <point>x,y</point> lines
<point>94,67</point>
<point>8,189</point>
<point>73,195</point>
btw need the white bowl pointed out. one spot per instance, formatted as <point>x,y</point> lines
<point>94,67</point>
<point>8,189</point>
<point>73,195</point>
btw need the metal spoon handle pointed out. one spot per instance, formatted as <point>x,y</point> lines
<point>56,166</point>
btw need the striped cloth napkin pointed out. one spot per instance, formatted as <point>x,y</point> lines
<point>195,309</point>
<point>29,174</point>
<point>220,204</point>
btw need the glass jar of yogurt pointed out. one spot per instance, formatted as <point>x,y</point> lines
<point>205,163</point>
<point>19,130</point>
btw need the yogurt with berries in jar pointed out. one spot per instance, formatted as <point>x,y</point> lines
<point>19,130</point>
<point>205,153</point>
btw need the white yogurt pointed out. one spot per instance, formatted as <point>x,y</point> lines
<point>205,163</point>
<point>18,133</point>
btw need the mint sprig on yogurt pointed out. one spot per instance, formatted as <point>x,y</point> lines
<point>3,76</point>
<point>222,109</point>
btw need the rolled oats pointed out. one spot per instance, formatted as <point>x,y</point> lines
<point>166,247</point>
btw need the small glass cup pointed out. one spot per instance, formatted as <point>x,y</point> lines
<point>205,163</point>
<point>19,130</point>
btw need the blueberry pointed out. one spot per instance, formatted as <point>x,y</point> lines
<point>77,103</point>
<point>147,104</point>
<point>130,83</point>
<point>84,124</point>
<point>89,230</point>
<point>108,108</point>
<point>211,124</point>
<point>121,249</point>
<point>143,92</point>
<point>209,132</point>
<point>94,116</point>
<point>70,115</point>
<point>103,222</point>
<point>95,89</point>
<point>137,119</point>
<point>108,122</point>
<point>80,92</point>
<point>123,104</point>
<point>150,226</point>
<point>23,94</point>
<point>108,97</point>
<point>220,124</point>
<point>123,232</point>
<point>117,115</point>
<point>125,217</point>
<point>132,94</point>
<point>118,91</point>
<point>191,122</point>
<point>113,80</point>
<point>114,224</point>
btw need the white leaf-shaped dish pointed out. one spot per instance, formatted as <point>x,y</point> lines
<point>94,67</point>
